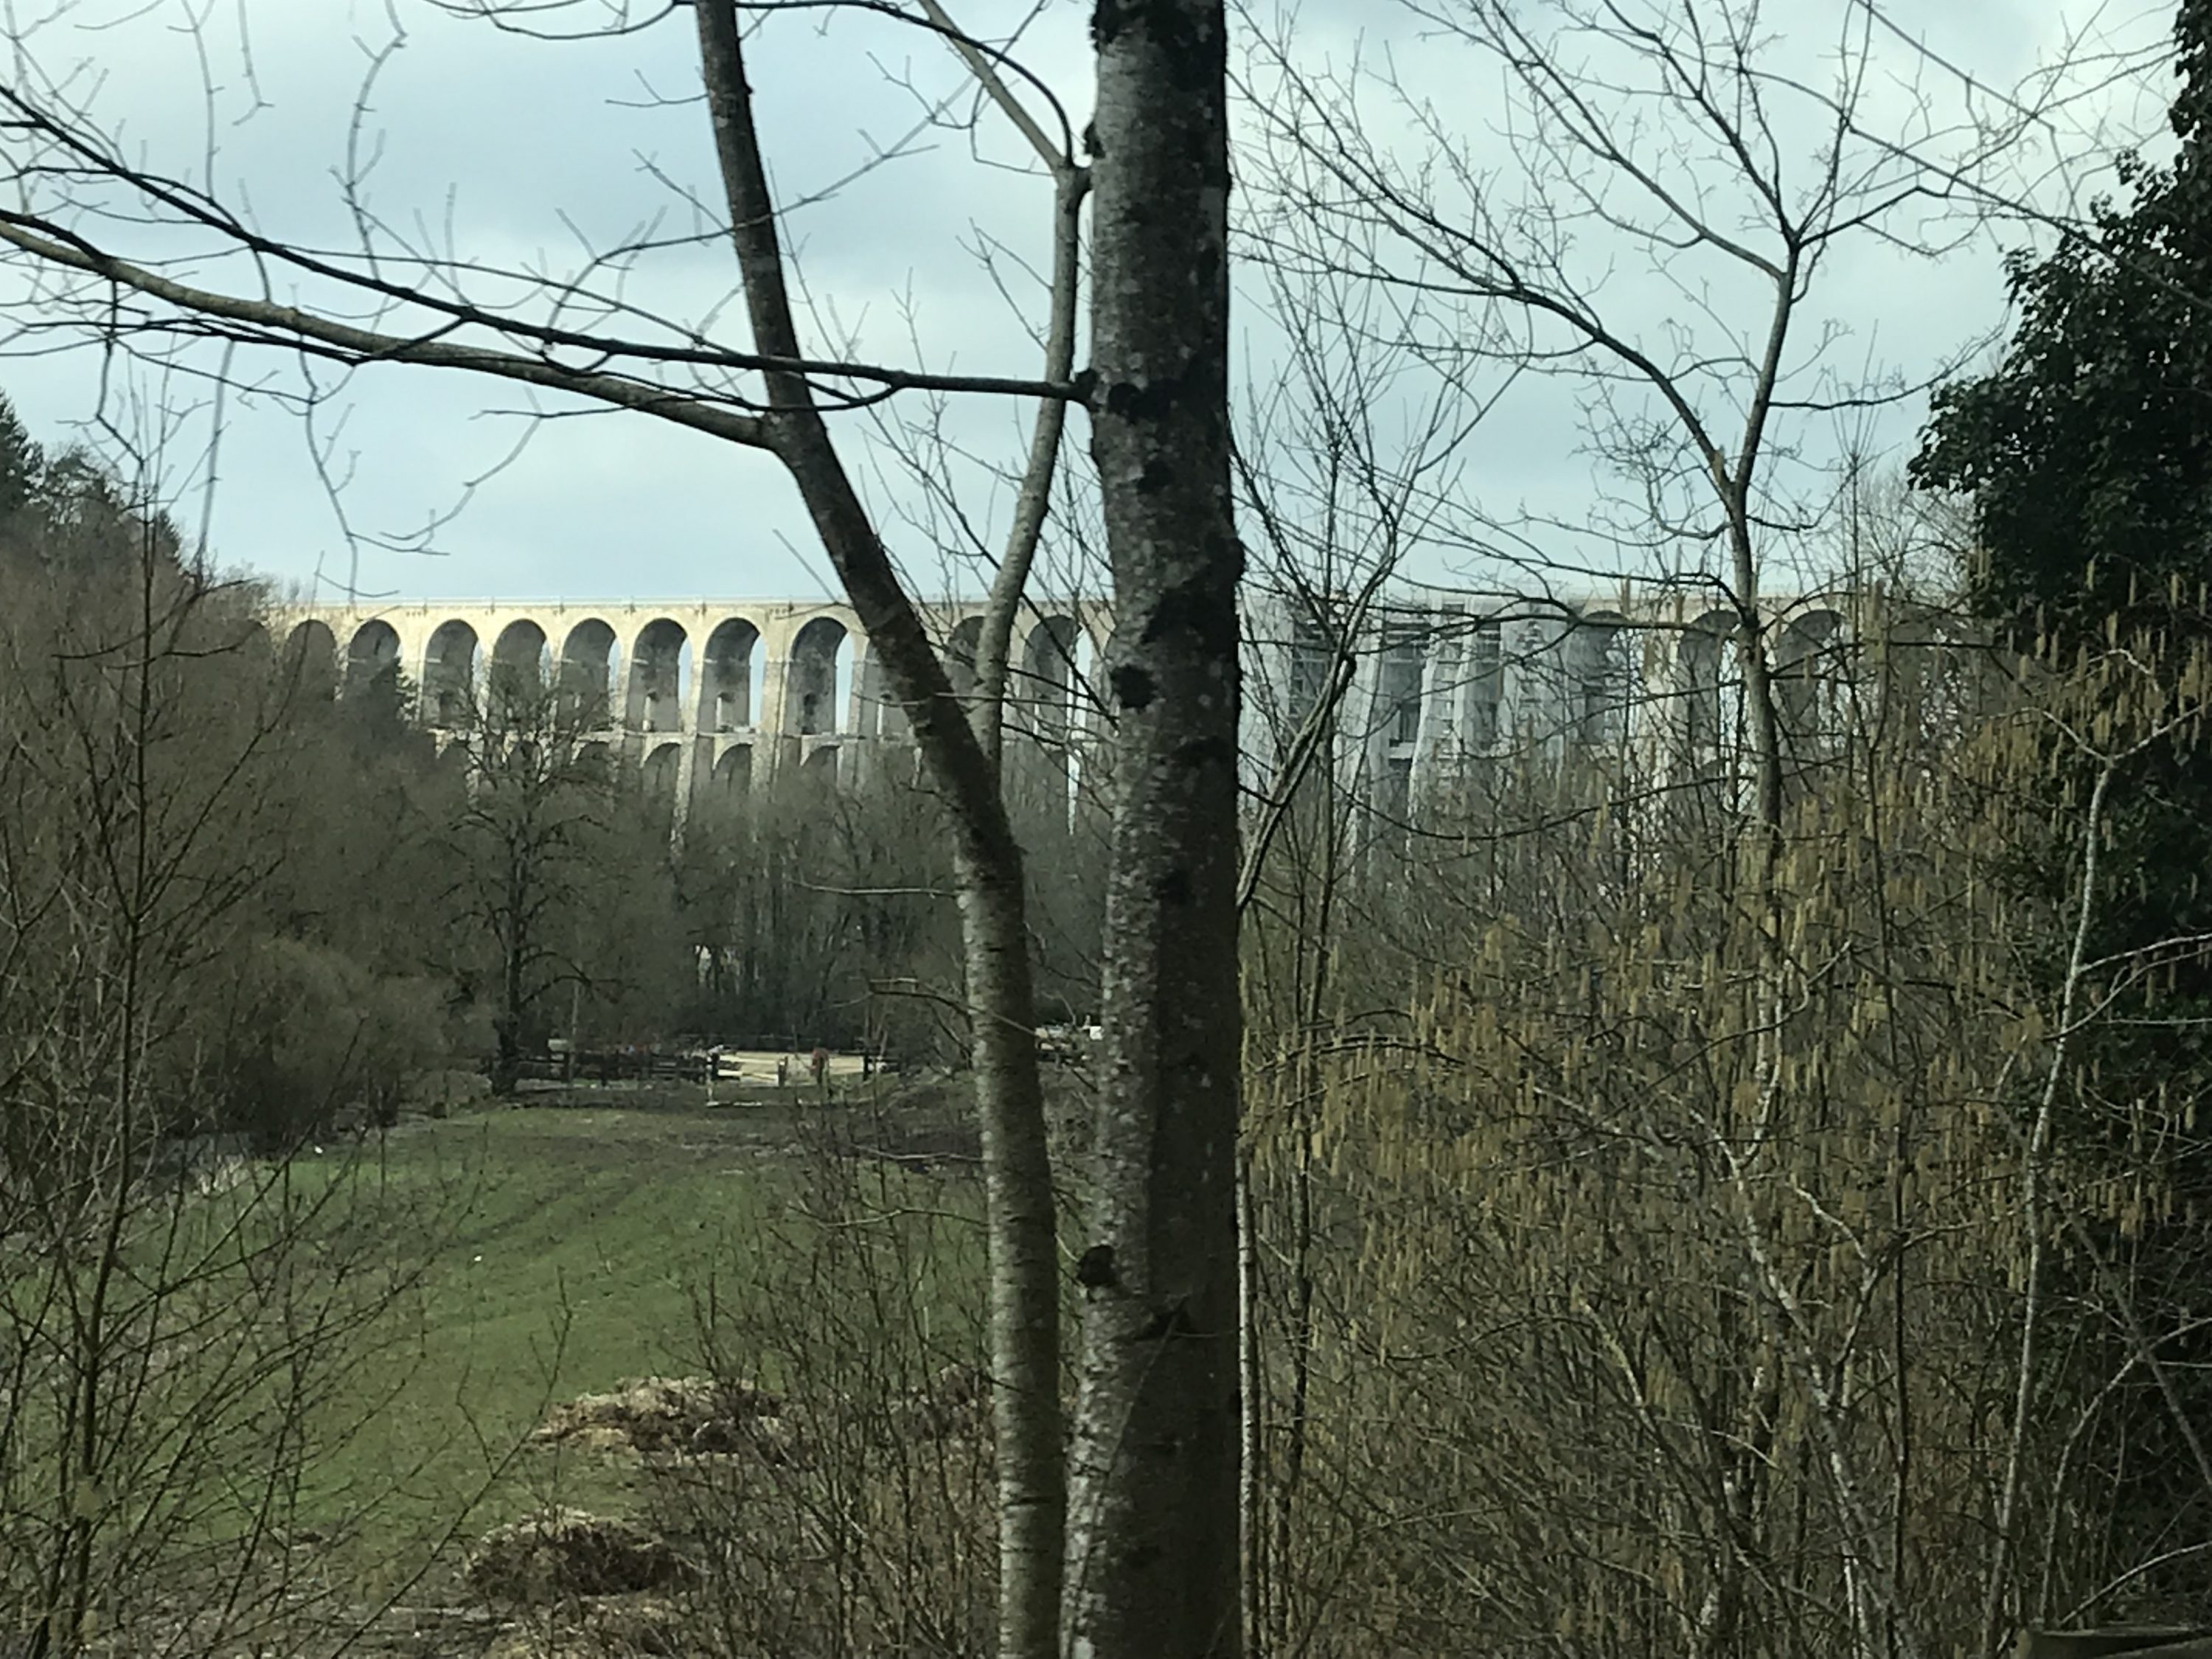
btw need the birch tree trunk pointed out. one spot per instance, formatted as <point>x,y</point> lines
<point>1152,1543</point>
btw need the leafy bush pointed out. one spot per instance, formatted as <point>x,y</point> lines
<point>310,1034</point>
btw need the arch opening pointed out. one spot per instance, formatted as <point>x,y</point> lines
<point>961,646</point>
<point>1049,665</point>
<point>732,778</point>
<point>1482,686</point>
<point>449,674</point>
<point>1601,647</point>
<point>656,677</point>
<point>519,660</point>
<point>373,659</point>
<point>1705,664</point>
<point>1399,679</point>
<point>877,713</point>
<point>728,700</point>
<point>659,774</point>
<point>1043,698</point>
<point>1808,677</point>
<point>311,658</point>
<point>821,657</point>
<point>588,660</point>
<point>1311,655</point>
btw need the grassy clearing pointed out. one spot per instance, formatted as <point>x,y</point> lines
<point>572,1242</point>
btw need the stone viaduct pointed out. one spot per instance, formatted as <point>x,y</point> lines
<point>701,694</point>
<point>711,698</point>
<point>1648,672</point>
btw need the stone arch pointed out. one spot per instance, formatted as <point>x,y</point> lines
<point>520,659</point>
<point>657,666</point>
<point>372,658</point>
<point>1704,656</point>
<point>810,696</point>
<point>822,764</point>
<point>311,657</point>
<point>1601,669</point>
<point>449,674</point>
<point>588,658</point>
<point>729,699</point>
<point>1808,676</point>
<point>1048,674</point>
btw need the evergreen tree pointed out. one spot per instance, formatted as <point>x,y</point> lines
<point>20,467</point>
<point>2087,457</point>
<point>2088,451</point>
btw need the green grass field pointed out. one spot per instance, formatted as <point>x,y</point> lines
<point>567,1248</point>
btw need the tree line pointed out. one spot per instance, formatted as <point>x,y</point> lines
<point>338,900</point>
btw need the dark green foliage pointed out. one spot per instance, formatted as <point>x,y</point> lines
<point>2087,457</point>
<point>21,466</point>
<point>2088,451</point>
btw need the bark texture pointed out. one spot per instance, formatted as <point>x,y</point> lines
<point>1152,1565</point>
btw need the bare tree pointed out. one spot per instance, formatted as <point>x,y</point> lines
<point>533,817</point>
<point>182,1312</point>
<point>1658,220</point>
<point>1151,1550</point>
<point>1661,221</point>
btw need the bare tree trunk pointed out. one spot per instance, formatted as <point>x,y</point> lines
<point>994,648</point>
<point>1025,1286</point>
<point>1259,1591</point>
<point>1152,1564</point>
<point>513,986</point>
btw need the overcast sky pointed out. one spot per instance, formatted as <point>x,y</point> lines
<point>521,152</point>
